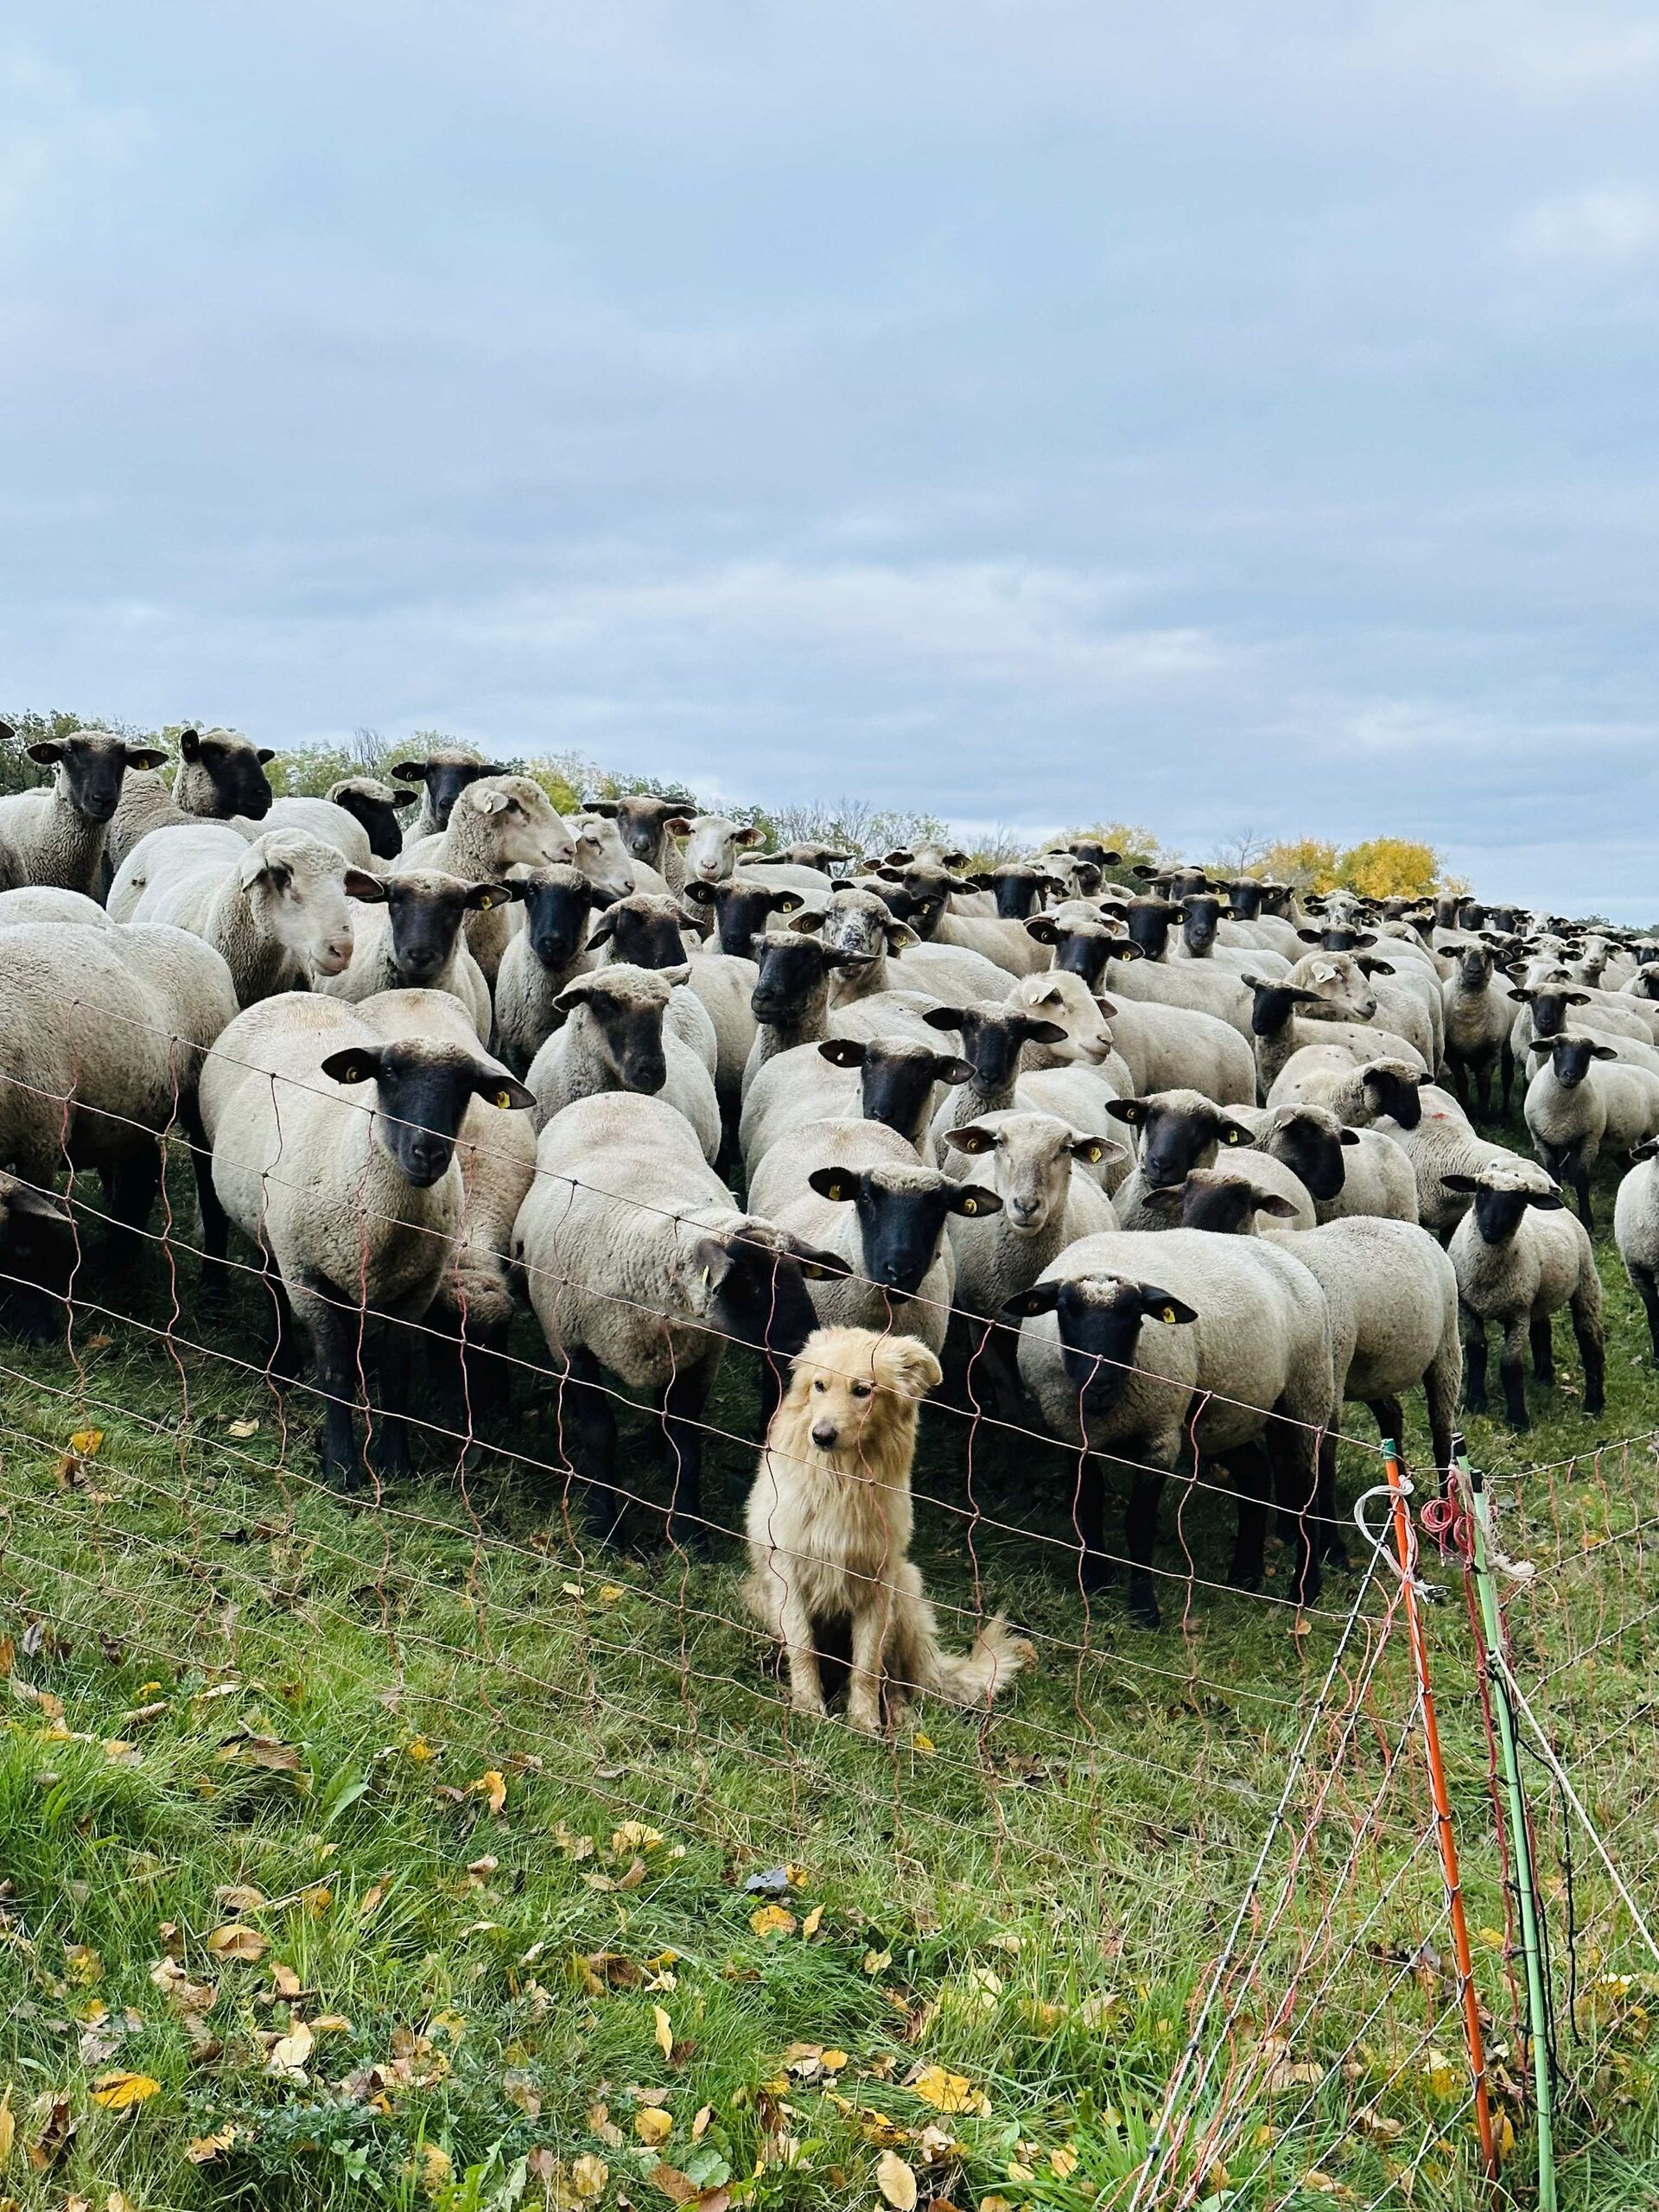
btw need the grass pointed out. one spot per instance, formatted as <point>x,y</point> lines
<point>473,1831</point>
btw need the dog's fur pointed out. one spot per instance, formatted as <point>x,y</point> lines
<point>829,1525</point>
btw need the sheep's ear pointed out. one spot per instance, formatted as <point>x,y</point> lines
<point>844,1051</point>
<point>502,1090</point>
<point>1375,967</point>
<point>900,937</point>
<point>252,865</point>
<point>355,1064</point>
<point>1108,1006</point>
<point>947,1068</point>
<point>972,1137</point>
<point>1041,1298</point>
<point>1044,1032</point>
<point>1541,1044</point>
<point>1124,949</point>
<point>838,956</point>
<point>1523,997</point>
<point>45,752</point>
<point>1577,998</point>
<point>411,772</point>
<point>404,798</point>
<point>1145,873</point>
<point>973,1200</point>
<point>810,920</point>
<point>817,1264</point>
<point>839,1184</point>
<point>701,894</point>
<point>1312,937</point>
<point>1132,1110</point>
<point>190,743</point>
<point>1549,1201</point>
<point>751,835</point>
<point>681,973</point>
<point>1161,1306</point>
<point>604,931</point>
<point>46,1205</point>
<point>1092,1150</point>
<point>677,825</point>
<point>712,1260</point>
<point>984,880</point>
<point>1462,1186</point>
<point>946,1017</point>
<point>1270,1202</point>
<point>785,902</point>
<point>607,807</point>
<point>486,801</point>
<point>889,875</point>
<point>483,897</point>
<point>1363,937</point>
<point>368,890</point>
<point>1348,1136</point>
<point>1646,1150</point>
<point>1300,997</point>
<point>1044,928</point>
<point>898,857</point>
<point>145,756</point>
<point>1604,1052</point>
<point>1235,1132</point>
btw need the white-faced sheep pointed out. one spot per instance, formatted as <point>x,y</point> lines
<point>220,775</point>
<point>334,1153</point>
<point>640,1263</point>
<point>612,1034</point>
<point>1163,1047</point>
<point>1520,1256</point>
<point>277,909</point>
<point>410,935</point>
<point>1130,1341</point>
<point>857,1189</point>
<point>497,824</point>
<point>1581,1098</point>
<point>54,837</point>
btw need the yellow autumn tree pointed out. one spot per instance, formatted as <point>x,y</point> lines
<point>1307,863</point>
<point>1390,867</point>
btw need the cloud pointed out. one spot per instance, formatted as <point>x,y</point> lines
<point>1605,226</point>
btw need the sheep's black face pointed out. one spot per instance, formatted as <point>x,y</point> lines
<point>634,1040</point>
<point>235,772</point>
<point>1083,952</point>
<point>422,1106</point>
<point>1246,899</point>
<point>1475,970</point>
<point>992,1044</point>
<point>425,925</point>
<point>1313,1153</point>
<point>1498,1214</point>
<point>1571,1060</point>
<point>1395,1096</point>
<point>647,940</point>
<point>901,1216</point>
<point>791,975</point>
<point>1100,1327</point>
<point>1200,921</point>
<point>93,768</point>
<point>1017,893</point>
<point>1548,1013</point>
<point>1148,921</point>
<point>37,1241</point>
<point>1273,1004</point>
<point>378,817</point>
<point>895,1086</point>
<point>445,781</point>
<point>1174,1139</point>
<point>556,906</point>
<point>741,910</point>
<point>762,1300</point>
<point>1224,1206</point>
<point>641,820</point>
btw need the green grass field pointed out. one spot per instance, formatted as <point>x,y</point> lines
<point>412,1850</point>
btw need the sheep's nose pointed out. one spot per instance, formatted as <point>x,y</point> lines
<point>336,957</point>
<point>824,1434</point>
<point>1024,1210</point>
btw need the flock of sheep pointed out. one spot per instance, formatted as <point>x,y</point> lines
<point>1173,1167</point>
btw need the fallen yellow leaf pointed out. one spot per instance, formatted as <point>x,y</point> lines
<point>115,2092</point>
<point>896,2182</point>
<point>236,1941</point>
<point>493,1788</point>
<point>86,1442</point>
<point>1063,2161</point>
<point>654,2125</point>
<point>813,1922</point>
<point>242,1428</point>
<point>665,2031</point>
<point>7,2126</point>
<point>947,2092</point>
<point>206,2148</point>
<point>289,2052</point>
<point>772,1920</point>
<point>588,2175</point>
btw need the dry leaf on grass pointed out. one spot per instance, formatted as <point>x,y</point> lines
<point>492,1787</point>
<point>115,2092</point>
<point>665,2031</point>
<point>896,2182</point>
<point>206,2148</point>
<point>236,1941</point>
<point>654,2125</point>
<point>772,1920</point>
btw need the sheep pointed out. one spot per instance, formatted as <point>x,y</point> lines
<point>376,806</point>
<point>1392,1295</point>
<point>497,1155</point>
<point>54,837</point>
<point>791,998</point>
<point>220,774</point>
<point>1196,984</point>
<point>1573,1107</point>
<point>711,847</point>
<point>645,821</point>
<point>1280,1197</point>
<point>892,1080</point>
<point>822,859</point>
<point>1017,888</point>
<point>414,942</point>
<point>1175,1132</point>
<point>638,1261</point>
<point>541,959</point>
<point>995,1041</point>
<point>1200,937</point>
<point>35,903</point>
<point>1354,987</point>
<point>893,956</point>
<point>444,775</point>
<point>1544,1012</point>
<point>1281,1037</point>
<point>1242,1353</point>
<point>1519,1256</point>
<point>101,1033</point>
<point>712,1011</point>
<point>496,823</point>
<point>355,1203</point>
<point>1439,1139</point>
<point>741,910</point>
<point>1346,1172</point>
<point>921,897</point>
<point>1040,1169</point>
<point>610,1034</point>
<point>857,1189</point>
<point>277,909</point>
<point>315,817</point>
<point>39,1251</point>
<point>1479,1021</point>
<point>1635,1231</point>
<point>604,859</point>
<point>1163,1047</point>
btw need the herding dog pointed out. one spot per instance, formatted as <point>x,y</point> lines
<point>829,1524</point>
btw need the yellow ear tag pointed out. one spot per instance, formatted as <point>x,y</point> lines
<point>1095,1155</point>
<point>970,1205</point>
<point>1169,1313</point>
<point>504,1098</point>
<point>484,903</point>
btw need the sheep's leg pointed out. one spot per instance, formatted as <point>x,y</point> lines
<point>1648,1291</point>
<point>584,1404</point>
<point>1474,1365</point>
<point>1506,1064</point>
<point>1586,1332</point>
<point>684,1402</point>
<point>1141,1534</point>
<point>389,1440</point>
<point>285,1346</point>
<point>1512,1373</point>
<point>333,1347</point>
<point>870,1622</point>
<point>1483,1090</point>
<point>1543,1347</point>
<point>1332,1548</point>
<point>1581,1191</point>
<point>132,1184</point>
<point>1294,1450</point>
<point>992,1376</point>
<point>1095,1570</point>
<point>805,1682</point>
<point>774,1373</point>
<point>1253,1487</point>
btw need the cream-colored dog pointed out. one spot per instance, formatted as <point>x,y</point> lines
<point>829,1524</point>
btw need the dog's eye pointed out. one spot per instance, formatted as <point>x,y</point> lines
<point>860,1389</point>
<point>820,1384</point>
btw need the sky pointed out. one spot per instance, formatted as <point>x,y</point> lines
<point>1228,417</point>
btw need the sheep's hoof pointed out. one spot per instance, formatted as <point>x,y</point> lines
<point>1240,1577</point>
<point>1144,1612</point>
<point>1332,1551</point>
<point>688,1536</point>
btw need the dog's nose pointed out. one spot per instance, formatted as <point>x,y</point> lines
<point>823,1435</point>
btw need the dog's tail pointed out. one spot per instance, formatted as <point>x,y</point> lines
<point>971,1677</point>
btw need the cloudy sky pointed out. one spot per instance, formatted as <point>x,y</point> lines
<point>1224,416</point>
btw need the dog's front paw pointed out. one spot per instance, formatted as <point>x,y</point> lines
<point>867,1719</point>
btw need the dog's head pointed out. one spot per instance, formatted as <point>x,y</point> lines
<point>855,1388</point>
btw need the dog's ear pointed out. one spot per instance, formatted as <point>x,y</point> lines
<point>906,1366</point>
